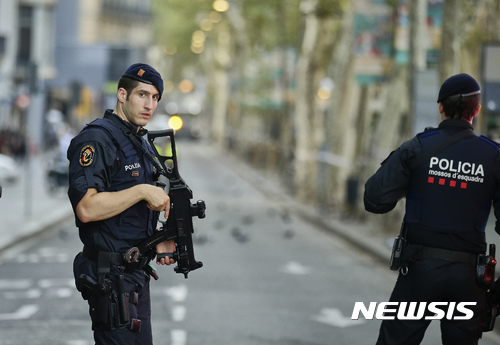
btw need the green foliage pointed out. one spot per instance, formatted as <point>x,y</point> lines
<point>332,8</point>
<point>269,24</point>
<point>175,21</point>
<point>272,23</point>
<point>392,3</point>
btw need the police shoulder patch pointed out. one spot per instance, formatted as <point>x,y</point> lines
<point>87,155</point>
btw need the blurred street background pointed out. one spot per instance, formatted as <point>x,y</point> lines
<point>282,110</point>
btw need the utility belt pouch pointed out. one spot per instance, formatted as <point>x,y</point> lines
<point>398,249</point>
<point>485,268</point>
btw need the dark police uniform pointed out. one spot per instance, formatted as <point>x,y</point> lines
<point>102,157</point>
<point>111,155</point>
<point>448,200</point>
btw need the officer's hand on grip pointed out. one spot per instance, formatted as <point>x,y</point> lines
<point>157,199</point>
<point>163,248</point>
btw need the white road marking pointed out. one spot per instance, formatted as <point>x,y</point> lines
<point>29,294</point>
<point>15,284</point>
<point>178,313</point>
<point>63,292</point>
<point>43,255</point>
<point>48,283</point>
<point>179,337</point>
<point>177,293</point>
<point>33,258</point>
<point>62,258</point>
<point>293,267</point>
<point>23,313</point>
<point>77,342</point>
<point>47,251</point>
<point>335,318</point>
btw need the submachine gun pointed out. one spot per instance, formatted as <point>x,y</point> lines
<point>179,224</point>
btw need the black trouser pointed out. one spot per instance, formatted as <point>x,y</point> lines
<point>436,280</point>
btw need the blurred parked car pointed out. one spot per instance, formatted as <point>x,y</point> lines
<point>9,169</point>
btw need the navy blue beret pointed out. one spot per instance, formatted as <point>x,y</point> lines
<point>459,84</point>
<point>145,74</point>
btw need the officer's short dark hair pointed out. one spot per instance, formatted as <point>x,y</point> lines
<point>461,107</point>
<point>128,84</point>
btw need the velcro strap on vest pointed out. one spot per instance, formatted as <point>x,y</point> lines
<point>449,255</point>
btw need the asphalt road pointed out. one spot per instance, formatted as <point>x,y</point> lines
<point>268,278</point>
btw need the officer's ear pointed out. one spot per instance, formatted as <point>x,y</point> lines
<point>121,95</point>
<point>441,111</point>
<point>477,110</point>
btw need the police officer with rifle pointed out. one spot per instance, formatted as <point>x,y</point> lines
<point>117,200</point>
<point>450,178</point>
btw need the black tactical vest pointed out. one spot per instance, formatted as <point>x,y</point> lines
<point>138,221</point>
<point>453,191</point>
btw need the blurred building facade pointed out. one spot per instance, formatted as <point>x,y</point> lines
<point>27,60</point>
<point>95,42</point>
<point>65,54</point>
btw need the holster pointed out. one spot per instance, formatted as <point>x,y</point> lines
<point>485,271</point>
<point>398,249</point>
<point>397,254</point>
<point>103,310</point>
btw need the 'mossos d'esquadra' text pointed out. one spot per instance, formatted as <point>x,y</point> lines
<point>464,171</point>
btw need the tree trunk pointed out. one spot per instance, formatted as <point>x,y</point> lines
<point>341,126</point>
<point>417,54</point>
<point>222,89</point>
<point>449,54</point>
<point>315,56</point>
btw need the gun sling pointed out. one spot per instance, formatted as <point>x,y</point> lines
<point>129,134</point>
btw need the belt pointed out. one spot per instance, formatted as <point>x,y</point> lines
<point>449,255</point>
<point>92,254</point>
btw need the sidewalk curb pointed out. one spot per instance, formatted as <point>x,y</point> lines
<point>346,232</point>
<point>36,228</point>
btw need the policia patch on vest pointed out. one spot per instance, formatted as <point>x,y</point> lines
<point>87,155</point>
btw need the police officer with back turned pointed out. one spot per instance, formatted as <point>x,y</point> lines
<point>450,178</point>
<point>117,206</point>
